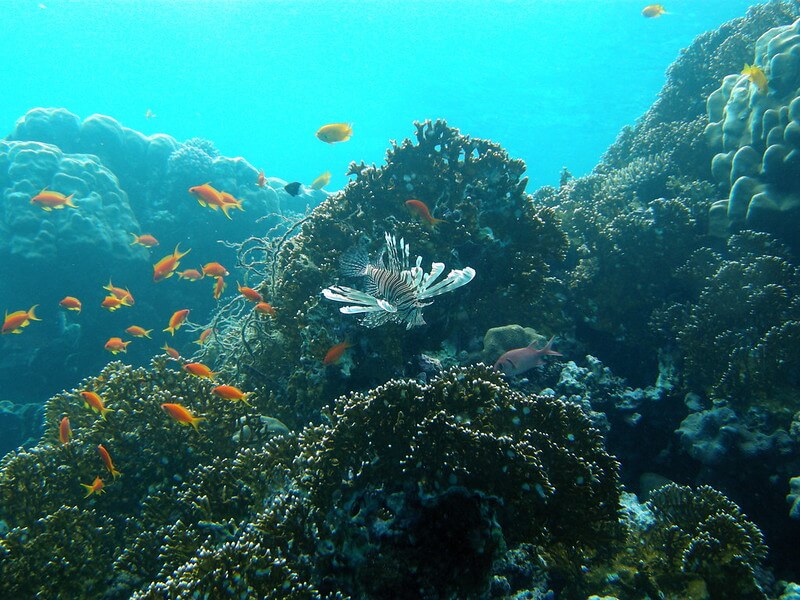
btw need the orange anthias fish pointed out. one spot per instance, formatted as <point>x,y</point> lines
<point>321,181</point>
<point>757,77</point>
<point>121,293</point>
<point>335,132</point>
<point>262,180</point>
<point>230,202</point>
<point>171,352</point>
<point>653,10</point>
<point>71,303</point>
<point>49,200</point>
<point>96,487</point>
<point>419,208</point>
<point>228,392</point>
<point>214,269</point>
<point>249,293</point>
<point>190,275</point>
<point>177,319</point>
<point>137,331</point>
<point>204,336</point>
<point>335,353</point>
<point>112,302</point>
<point>95,402</point>
<point>265,308</point>
<point>115,345</point>
<point>210,197</point>
<point>146,240</point>
<point>219,287</point>
<point>107,461</point>
<point>149,114</point>
<point>199,370</point>
<point>18,320</point>
<point>182,415</point>
<point>64,431</point>
<point>167,265</point>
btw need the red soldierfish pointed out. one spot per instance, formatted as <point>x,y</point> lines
<point>519,360</point>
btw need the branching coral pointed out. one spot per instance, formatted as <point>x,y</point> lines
<point>739,337</point>
<point>701,534</point>
<point>396,461</point>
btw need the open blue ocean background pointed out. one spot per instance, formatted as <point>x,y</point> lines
<point>553,81</point>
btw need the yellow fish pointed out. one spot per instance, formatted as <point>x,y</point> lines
<point>321,181</point>
<point>757,77</point>
<point>652,11</point>
<point>335,132</point>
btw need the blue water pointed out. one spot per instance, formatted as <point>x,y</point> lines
<point>553,81</point>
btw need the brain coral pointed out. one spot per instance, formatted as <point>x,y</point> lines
<point>756,134</point>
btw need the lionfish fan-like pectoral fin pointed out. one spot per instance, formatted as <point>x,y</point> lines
<point>355,310</point>
<point>455,279</point>
<point>348,294</point>
<point>428,280</point>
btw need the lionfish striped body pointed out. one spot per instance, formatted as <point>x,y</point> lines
<point>395,292</point>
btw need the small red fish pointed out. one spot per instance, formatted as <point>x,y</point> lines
<point>182,415</point>
<point>18,320</point>
<point>137,331</point>
<point>71,303</point>
<point>95,402</point>
<point>64,431</point>
<point>177,319</point>
<point>229,392</point>
<point>190,275</point>
<point>199,370</point>
<point>219,287</point>
<point>230,202</point>
<point>419,208</point>
<point>265,308</point>
<point>115,345</point>
<point>146,240</point>
<point>214,269</point>
<point>166,266</point>
<point>249,293</point>
<point>204,336</point>
<point>261,181</point>
<point>96,487</point>
<point>48,200</point>
<point>519,360</point>
<point>121,293</point>
<point>335,353</point>
<point>112,303</point>
<point>107,461</point>
<point>171,352</point>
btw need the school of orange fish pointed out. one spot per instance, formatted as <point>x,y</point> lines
<point>209,197</point>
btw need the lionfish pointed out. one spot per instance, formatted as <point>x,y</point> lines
<point>394,292</point>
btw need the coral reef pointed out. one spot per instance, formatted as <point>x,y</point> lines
<point>491,225</point>
<point>688,543</point>
<point>756,134</point>
<point>411,489</point>
<point>738,338</point>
